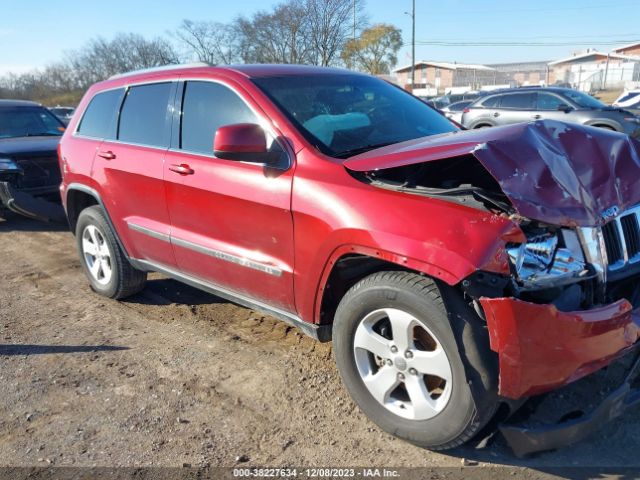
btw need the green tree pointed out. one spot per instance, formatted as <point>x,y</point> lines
<point>375,51</point>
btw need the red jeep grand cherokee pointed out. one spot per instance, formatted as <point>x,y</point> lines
<point>458,273</point>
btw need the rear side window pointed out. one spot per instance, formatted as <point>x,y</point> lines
<point>206,107</point>
<point>99,119</point>
<point>143,119</point>
<point>519,101</point>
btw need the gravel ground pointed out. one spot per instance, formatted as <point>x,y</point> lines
<point>177,377</point>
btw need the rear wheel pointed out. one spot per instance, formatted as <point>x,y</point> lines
<point>399,358</point>
<point>107,268</point>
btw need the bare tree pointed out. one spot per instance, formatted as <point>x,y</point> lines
<point>331,24</point>
<point>102,58</point>
<point>210,42</point>
<point>279,36</point>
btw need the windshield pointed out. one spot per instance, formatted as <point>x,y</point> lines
<point>583,100</point>
<point>28,122</point>
<point>344,115</point>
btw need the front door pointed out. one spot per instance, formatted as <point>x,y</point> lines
<point>231,222</point>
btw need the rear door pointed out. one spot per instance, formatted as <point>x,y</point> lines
<point>231,221</point>
<point>515,108</point>
<point>99,122</point>
<point>130,171</point>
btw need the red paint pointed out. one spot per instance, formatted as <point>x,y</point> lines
<point>240,138</point>
<point>541,348</point>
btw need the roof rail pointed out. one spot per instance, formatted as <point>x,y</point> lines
<point>161,69</point>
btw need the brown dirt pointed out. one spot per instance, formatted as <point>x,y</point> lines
<point>175,376</point>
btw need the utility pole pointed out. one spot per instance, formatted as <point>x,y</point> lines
<point>354,19</point>
<point>413,43</point>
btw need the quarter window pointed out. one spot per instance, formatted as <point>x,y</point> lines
<point>143,119</point>
<point>208,106</point>
<point>491,102</point>
<point>99,119</point>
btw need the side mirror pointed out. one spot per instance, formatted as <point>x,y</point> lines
<point>563,107</point>
<point>244,142</point>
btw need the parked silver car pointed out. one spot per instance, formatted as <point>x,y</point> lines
<point>535,103</point>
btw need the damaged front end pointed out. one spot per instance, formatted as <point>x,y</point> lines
<point>29,198</point>
<point>571,303</point>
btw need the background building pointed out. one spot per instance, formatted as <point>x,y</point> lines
<point>589,71</point>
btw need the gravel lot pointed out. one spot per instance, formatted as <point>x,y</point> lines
<point>177,377</point>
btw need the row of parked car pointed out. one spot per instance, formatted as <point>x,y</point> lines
<point>459,272</point>
<point>514,105</point>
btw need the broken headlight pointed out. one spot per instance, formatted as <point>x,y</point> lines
<point>548,260</point>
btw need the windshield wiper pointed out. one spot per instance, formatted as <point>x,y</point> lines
<point>43,134</point>
<point>366,148</point>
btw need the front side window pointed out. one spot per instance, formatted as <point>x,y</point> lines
<point>143,119</point>
<point>28,122</point>
<point>99,119</point>
<point>206,107</point>
<point>546,101</point>
<point>518,101</point>
<point>345,114</point>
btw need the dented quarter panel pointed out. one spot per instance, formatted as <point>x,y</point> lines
<point>541,348</point>
<point>555,172</point>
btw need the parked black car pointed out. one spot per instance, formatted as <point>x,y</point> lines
<point>29,170</point>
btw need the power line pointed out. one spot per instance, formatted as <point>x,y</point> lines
<point>439,43</point>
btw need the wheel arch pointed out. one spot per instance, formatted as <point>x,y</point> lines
<point>80,196</point>
<point>350,263</point>
<point>604,123</point>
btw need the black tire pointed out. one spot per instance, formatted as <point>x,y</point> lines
<point>124,280</point>
<point>606,127</point>
<point>463,415</point>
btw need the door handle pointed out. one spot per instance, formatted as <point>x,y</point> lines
<point>106,154</point>
<point>182,169</point>
<point>536,117</point>
<point>496,114</point>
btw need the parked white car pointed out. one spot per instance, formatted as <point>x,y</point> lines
<point>628,99</point>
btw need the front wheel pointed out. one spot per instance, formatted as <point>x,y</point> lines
<point>399,359</point>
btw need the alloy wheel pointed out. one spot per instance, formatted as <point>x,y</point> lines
<point>96,254</point>
<point>402,364</point>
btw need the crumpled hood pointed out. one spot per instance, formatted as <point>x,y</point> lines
<point>555,172</point>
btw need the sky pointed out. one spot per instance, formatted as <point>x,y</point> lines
<point>34,33</point>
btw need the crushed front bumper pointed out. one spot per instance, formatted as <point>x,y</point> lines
<point>30,205</point>
<point>541,348</point>
<point>525,438</point>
